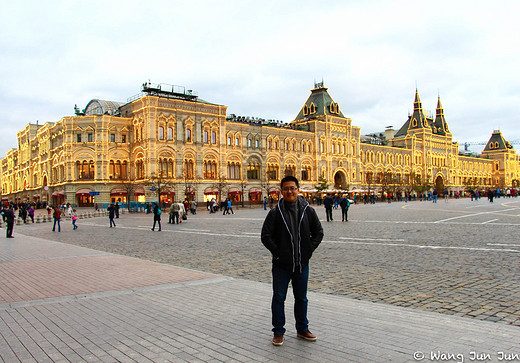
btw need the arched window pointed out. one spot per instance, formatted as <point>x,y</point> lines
<point>253,171</point>
<point>189,169</point>
<point>233,170</point>
<point>210,169</point>
<point>161,133</point>
<point>272,172</point>
<point>170,133</point>
<point>306,172</point>
<point>139,168</point>
<point>188,134</point>
<point>290,170</point>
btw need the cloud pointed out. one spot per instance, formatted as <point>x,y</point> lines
<point>261,58</point>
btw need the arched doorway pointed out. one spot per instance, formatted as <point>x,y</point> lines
<point>439,184</point>
<point>340,180</point>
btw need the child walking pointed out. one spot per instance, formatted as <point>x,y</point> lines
<point>74,219</point>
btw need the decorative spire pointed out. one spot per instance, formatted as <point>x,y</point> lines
<point>417,105</point>
<point>440,121</point>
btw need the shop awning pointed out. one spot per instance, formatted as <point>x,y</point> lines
<point>118,192</point>
<point>81,193</point>
<point>234,191</point>
<point>139,191</point>
<point>211,191</point>
<point>167,191</point>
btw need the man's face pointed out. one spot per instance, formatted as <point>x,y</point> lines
<point>290,191</point>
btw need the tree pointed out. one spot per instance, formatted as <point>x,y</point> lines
<point>129,187</point>
<point>220,185</point>
<point>471,184</point>
<point>159,184</point>
<point>243,185</point>
<point>322,184</point>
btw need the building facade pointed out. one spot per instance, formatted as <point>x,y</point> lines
<point>168,144</point>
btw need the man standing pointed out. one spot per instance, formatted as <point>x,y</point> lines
<point>174,213</point>
<point>344,204</point>
<point>9,220</point>
<point>291,232</point>
<point>327,203</point>
<point>57,219</point>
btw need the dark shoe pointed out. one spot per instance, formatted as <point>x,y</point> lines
<point>277,340</point>
<point>307,335</point>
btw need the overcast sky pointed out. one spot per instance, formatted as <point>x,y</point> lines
<point>261,58</point>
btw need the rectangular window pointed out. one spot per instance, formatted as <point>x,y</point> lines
<point>213,137</point>
<point>256,143</point>
<point>123,138</point>
<point>78,137</point>
<point>112,137</point>
<point>90,138</point>
<point>248,142</point>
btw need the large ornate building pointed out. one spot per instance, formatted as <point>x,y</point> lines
<point>168,143</point>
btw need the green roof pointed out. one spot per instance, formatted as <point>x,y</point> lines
<point>319,103</point>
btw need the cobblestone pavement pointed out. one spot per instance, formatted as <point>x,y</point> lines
<point>459,257</point>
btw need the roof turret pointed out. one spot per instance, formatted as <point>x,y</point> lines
<point>319,103</point>
<point>439,125</point>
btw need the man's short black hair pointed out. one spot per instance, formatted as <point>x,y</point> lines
<point>289,178</point>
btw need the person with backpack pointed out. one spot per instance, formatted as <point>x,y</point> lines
<point>156,216</point>
<point>345,205</point>
<point>111,214</point>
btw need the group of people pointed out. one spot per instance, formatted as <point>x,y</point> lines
<point>177,213</point>
<point>329,203</point>
<point>8,216</point>
<point>225,206</point>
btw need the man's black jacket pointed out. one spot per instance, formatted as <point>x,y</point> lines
<point>290,252</point>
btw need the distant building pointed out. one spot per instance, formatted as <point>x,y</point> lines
<point>188,148</point>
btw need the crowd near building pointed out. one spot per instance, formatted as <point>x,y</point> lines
<point>167,144</point>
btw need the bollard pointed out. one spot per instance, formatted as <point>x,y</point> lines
<point>38,219</point>
<point>18,221</point>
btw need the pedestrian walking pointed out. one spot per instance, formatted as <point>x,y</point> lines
<point>227,207</point>
<point>31,213</point>
<point>57,218</point>
<point>327,203</point>
<point>74,219</point>
<point>116,210</point>
<point>291,232</point>
<point>22,213</point>
<point>9,220</point>
<point>111,214</point>
<point>156,216</point>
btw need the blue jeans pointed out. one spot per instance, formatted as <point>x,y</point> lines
<point>281,280</point>
<point>54,226</point>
